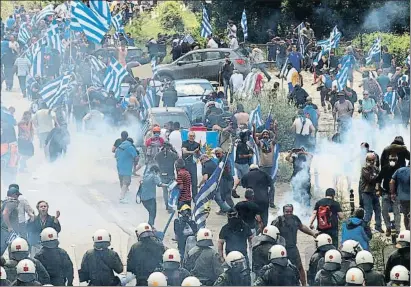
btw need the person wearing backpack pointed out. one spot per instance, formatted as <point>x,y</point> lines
<point>327,211</point>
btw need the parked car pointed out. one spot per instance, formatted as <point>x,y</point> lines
<point>191,91</point>
<point>202,63</point>
<point>134,54</point>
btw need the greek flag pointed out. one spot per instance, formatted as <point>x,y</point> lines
<point>256,154</point>
<point>154,66</point>
<point>205,194</point>
<point>53,38</point>
<point>189,39</point>
<point>403,80</point>
<point>374,50</point>
<point>276,156</point>
<point>206,29</point>
<point>102,10</point>
<point>301,38</point>
<point>244,25</point>
<point>96,69</point>
<point>335,37</point>
<point>174,193</point>
<point>24,34</point>
<point>95,63</point>
<point>53,93</point>
<point>324,43</point>
<point>117,22</point>
<point>342,76</point>
<point>391,99</point>
<point>47,11</point>
<point>114,76</point>
<point>148,99</point>
<point>283,72</point>
<point>37,67</point>
<point>255,118</point>
<point>75,25</point>
<point>90,23</point>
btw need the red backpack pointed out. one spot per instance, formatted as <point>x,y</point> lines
<point>324,217</point>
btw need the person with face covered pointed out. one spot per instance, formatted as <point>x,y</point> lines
<point>154,144</point>
<point>369,174</point>
<point>243,159</point>
<point>279,271</point>
<point>398,148</point>
<point>238,272</point>
<point>184,227</point>
<point>55,259</point>
<point>172,269</point>
<point>323,243</point>
<point>40,222</point>
<point>384,177</point>
<point>100,263</point>
<point>365,261</point>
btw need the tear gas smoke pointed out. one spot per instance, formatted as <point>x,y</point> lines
<point>383,18</point>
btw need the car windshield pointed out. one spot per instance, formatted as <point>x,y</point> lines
<point>162,118</point>
<point>193,89</point>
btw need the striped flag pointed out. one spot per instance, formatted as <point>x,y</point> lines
<point>47,11</point>
<point>114,76</point>
<point>244,25</point>
<point>91,24</point>
<point>391,99</point>
<point>53,93</point>
<point>174,193</point>
<point>117,22</point>
<point>96,63</point>
<point>53,38</point>
<point>154,66</point>
<point>301,38</point>
<point>102,10</point>
<point>75,25</point>
<point>206,29</point>
<point>335,37</point>
<point>342,76</point>
<point>276,156</point>
<point>24,34</point>
<point>205,194</point>
<point>189,39</point>
<point>283,72</point>
<point>38,67</point>
<point>96,66</point>
<point>374,50</point>
<point>148,100</point>
<point>256,154</point>
<point>255,118</point>
<point>324,43</point>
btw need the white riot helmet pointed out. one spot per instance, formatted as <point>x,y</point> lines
<point>157,279</point>
<point>26,271</point>
<point>322,240</point>
<point>3,274</point>
<point>204,237</point>
<point>144,230</point>
<point>19,249</point>
<point>354,277</point>
<point>271,231</point>
<point>403,239</point>
<point>278,255</point>
<point>171,259</point>
<point>236,261</point>
<point>350,247</point>
<point>191,281</point>
<point>332,260</point>
<point>49,237</point>
<point>399,273</point>
<point>366,260</point>
<point>101,235</point>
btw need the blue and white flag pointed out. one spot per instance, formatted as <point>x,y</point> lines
<point>403,80</point>
<point>209,138</point>
<point>38,68</point>
<point>75,25</point>
<point>54,92</point>
<point>174,194</point>
<point>342,76</point>
<point>206,29</point>
<point>102,9</point>
<point>283,72</point>
<point>244,25</point>
<point>92,26</point>
<point>374,50</point>
<point>47,11</point>
<point>301,38</point>
<point>117,22</point>
<point>276,156</point>
<point>154,66</point>
<point>205,194</point>
<point>335,37</point>
<point>53,38</point>
<point>323,43</point>
<point>96,63</point>
<point>148,100</point>
<point>24,34</point>
<point>189,39</point>
<point>256,154</point>
<point>268,121</point>
<point>391,99</point>
<point>115,74</point>
<point>255,118</point>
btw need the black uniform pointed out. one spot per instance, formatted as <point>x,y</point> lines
<point>277,275</point>
<point>229,278</point>
<point>42,274</point>
<point>144,257</point>
<point>58,264</point>
<point>21,283</point>
<point>260,252</point>
<point>175,276</point>
<point>4,282</point>
<point>398,257</point>
<point>329,278</point>
<point>374,278</point>
<point>97,267</point>
<point>346,264</point>
<point>183,228</point>
<point>315,258</point>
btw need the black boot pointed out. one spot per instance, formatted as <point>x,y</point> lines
<point>234,194</point>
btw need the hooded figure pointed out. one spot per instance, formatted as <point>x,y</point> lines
<point>323,243</point>
<point>398,148</point>
<point>55,259</point>
<point>356,229</point>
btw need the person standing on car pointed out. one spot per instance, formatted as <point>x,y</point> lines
<point>226,73</point>
<point>170,96</point>
<point>190,149</point>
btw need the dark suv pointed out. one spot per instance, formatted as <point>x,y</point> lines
<point>204,63</point>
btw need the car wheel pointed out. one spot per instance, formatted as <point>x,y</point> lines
<point>165,79</point>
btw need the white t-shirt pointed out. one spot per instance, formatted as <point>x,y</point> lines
<point>233,43</point>
<point>298,122</point>
<point>232,31</point>
<point>175,140</point>
<point>212,44</point>
<point>237,80</point>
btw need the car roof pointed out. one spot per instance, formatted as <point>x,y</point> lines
<point>214,49</point>
<point>160,110</point>
<point>114,48</point>
<point>192,81</point>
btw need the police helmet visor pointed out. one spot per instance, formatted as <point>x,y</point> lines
<point>27,277</point>
<point>331,266</point>
<point>50,244</point>
<point>171,265</point>
<point>239,265</point>
<point>20,255</point>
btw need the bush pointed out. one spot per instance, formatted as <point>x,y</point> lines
<point>397,44</point>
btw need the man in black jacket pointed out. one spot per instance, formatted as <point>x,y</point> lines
<point>396,147</point>
<point>170,97</point>
<point>226,72</point>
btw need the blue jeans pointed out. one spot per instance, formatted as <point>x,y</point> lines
<point>226,83</point>
<point>151,206</point>
<point>223,195</point>
<point>372,204</point>
<point>262,66</point>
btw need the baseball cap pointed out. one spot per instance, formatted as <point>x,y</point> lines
<point>13,191</point>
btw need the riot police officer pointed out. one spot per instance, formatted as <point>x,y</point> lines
<point>145,255</point>
<point>330,274</point>
<point>19,250</point>
<point>399,276</point>
<point>237,274</point>
<point>323,243</point>
<point>26,274</point>
<point>191,281</point>
<point>401,256</point>
<point>202,260</point>
<point>171,267</point>
<point>261,246</point>
<point>157,279</point>
<point>365,261</point>
<point>279,264</point>
<point>355,277</point>
<point>349,250</point>
<point>99,263</point>
<point>55,259</point>
<point>3,278</point>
